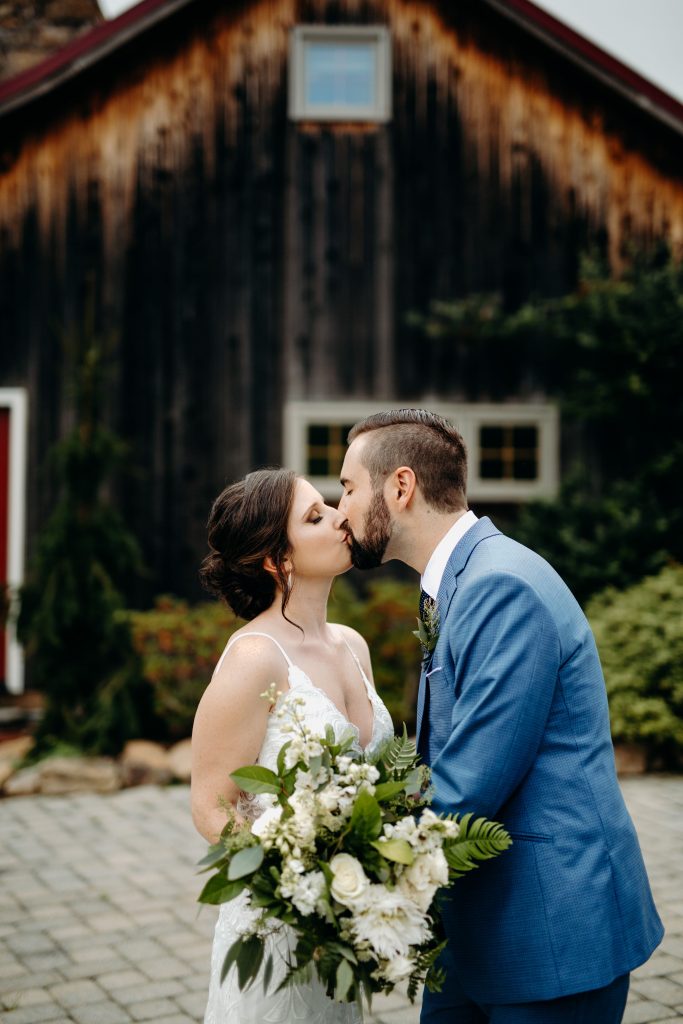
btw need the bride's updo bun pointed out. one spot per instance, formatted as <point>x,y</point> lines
<point>248,523</point>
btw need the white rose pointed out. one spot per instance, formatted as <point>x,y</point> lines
<point>350,881</point>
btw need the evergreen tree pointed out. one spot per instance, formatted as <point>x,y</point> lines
<point>72,617</point>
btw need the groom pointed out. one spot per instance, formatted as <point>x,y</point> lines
<point>513,720</point>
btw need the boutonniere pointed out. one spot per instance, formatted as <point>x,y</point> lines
<point>427,631</point>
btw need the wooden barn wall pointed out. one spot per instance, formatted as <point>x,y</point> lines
<point>238,259</point>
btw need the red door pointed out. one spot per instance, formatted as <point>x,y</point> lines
<point>4,529</point>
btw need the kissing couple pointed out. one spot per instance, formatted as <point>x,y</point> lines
<point>512,719</point>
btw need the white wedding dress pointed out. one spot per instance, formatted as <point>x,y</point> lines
<point>296,1004</point>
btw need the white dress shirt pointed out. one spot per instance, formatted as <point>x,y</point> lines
<point>433,574</point>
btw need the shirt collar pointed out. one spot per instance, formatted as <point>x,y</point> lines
<point>431,578</point>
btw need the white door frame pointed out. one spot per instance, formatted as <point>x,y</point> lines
<point>15,399</point>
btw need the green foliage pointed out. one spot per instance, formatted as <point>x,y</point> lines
<point>71,617</point>
<point>179,646</point>
<point>477,840</point>
<point>639,633</point>
<point>611,352</point>
<point>594,542</point>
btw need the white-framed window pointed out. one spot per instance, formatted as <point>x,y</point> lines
<point>340,73</point>
<point>13,450</point>
<point>513,448</point>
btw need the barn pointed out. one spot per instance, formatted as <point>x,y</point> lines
<point>248,198</point>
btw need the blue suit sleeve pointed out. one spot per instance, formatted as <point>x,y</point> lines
<point>506,654</point>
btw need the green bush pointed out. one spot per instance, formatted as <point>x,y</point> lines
<point>639,633</point>
<point>179,646</point>
<point>77,639</point>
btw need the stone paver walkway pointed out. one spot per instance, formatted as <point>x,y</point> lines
<point>99,925</point>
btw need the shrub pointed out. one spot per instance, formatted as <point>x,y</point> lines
<point>639,632</point>
<point>179,646</point>
<point>70,619</point>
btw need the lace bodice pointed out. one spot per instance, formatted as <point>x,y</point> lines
<point>307,1004</point>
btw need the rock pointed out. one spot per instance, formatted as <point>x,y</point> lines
<point>179,758</point>
<point>79,775</point>
<point>145,763</point>
<point>61,775</point>
<point>24,782</point>
<point>11,753</point>
<point>630,759</point>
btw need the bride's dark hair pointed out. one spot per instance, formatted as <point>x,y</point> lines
<point>248,523</point>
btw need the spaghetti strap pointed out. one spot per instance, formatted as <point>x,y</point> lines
<point>357,660</point>
<point>234,639</point>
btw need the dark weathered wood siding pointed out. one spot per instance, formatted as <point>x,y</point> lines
<point>240,259</point>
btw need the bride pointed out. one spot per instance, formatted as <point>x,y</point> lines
<point>275,548</point>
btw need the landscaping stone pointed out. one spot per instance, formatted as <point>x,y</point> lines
<point>179,757</point>
<point>145,763</point>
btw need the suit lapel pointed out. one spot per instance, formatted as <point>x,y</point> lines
<point>482,529</point>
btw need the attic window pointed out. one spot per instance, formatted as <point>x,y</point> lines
<point>340,73</point>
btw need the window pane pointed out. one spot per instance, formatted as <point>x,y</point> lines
<point>508,453</point>
<point>340,74</point>
<point>326,448</point>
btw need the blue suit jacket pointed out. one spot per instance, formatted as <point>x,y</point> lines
<point>518,730</point>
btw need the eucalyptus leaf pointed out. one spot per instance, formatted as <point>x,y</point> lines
<point>398,850</point>
<point>245,862</point>
<point>344,980</point>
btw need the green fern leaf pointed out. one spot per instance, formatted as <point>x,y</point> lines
<point>477,840</point>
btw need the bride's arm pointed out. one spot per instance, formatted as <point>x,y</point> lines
<point>229,728</point>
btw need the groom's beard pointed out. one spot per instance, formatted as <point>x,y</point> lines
<point>369,552</point>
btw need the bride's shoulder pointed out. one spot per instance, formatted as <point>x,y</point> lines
<point>358,645</point>
<point>250,657</point>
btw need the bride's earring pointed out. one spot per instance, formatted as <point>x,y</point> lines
<point>290,581</point>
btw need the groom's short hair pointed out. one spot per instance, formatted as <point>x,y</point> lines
<point>428,443</point>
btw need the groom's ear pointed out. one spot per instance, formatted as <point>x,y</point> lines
<point>401,488</point>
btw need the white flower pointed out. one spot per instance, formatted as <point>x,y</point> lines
<point>266,825</point>
<point>389,922</point>
<point>308,892</point>
<point>420,881</point>
<point>350,881</point>
<point>396,969</point>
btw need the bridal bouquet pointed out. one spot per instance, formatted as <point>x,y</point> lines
<point>349,856</point>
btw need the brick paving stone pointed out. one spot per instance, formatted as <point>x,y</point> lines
<point>660,990</point>
<point>161,967</point>
<point>644,1012</point>
<point>111,915</point>
<point>121,979</point>
<point>153,1009</point>
<point>100,1013</point>
<point>193,1003</point>
<point>94,968</point>
<point>77,993</point>
<point>130,994</point>
<point>35,1015</point>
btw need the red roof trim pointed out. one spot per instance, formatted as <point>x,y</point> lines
<point>83,51</point>
<point>86,49</point>
<point>643,92</point>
